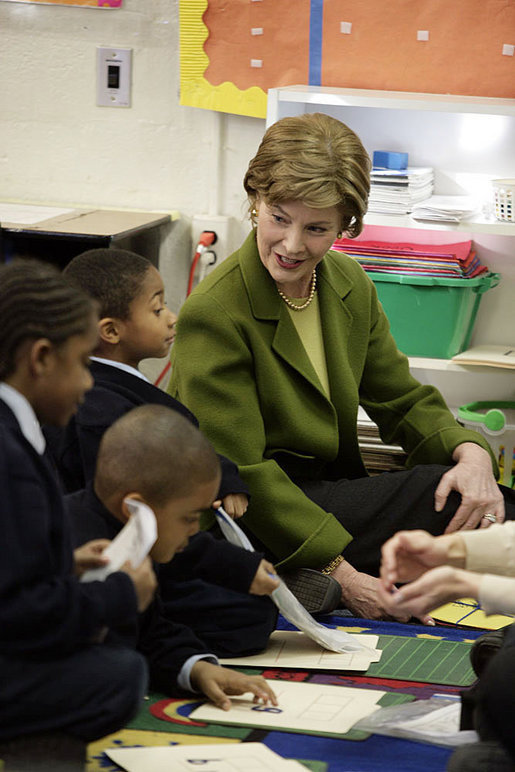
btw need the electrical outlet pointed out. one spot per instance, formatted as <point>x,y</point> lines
<point>114,77</point>
<point>224,227</point>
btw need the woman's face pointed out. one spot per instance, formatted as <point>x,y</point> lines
<point>292,239</point>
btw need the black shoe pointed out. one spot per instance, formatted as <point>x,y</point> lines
<point>483,756</point>
<point>319,593</point>
<point>485,647</point>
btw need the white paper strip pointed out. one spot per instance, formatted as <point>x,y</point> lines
<point>133,542</point>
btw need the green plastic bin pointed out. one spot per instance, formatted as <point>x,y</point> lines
<point>431,316</point>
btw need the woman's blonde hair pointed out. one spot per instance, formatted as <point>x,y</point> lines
<point>315,159</point>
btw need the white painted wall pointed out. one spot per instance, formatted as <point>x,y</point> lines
<point>57,146</point>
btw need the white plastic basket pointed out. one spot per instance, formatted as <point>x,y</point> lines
<point>496,422</point>
<point>504,198</point>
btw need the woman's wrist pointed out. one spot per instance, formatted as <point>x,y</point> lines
<point>332,565</point>
<point>470,450</point>
<point>345,575</point>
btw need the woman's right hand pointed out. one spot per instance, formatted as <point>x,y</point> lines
<point>360,594</point>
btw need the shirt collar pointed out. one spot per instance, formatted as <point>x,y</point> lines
<point>25,415</point>
<point>120,366</point>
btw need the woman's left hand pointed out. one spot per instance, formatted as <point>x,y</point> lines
<point>473,478</point>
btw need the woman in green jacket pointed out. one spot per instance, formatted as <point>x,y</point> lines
<point>278,347</point>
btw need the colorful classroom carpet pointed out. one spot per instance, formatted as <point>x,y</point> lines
<point>417,662</point>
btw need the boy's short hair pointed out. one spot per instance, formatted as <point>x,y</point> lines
<point>156,452</point>
<point>112,276</point>
<point>37,301</point>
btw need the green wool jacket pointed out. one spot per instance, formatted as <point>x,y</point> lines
<point>240,366</point>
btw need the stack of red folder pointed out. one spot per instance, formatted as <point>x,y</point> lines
<point>458,261</point>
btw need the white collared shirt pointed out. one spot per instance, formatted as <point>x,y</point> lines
<point>121,366</point>
<point>25,415</point>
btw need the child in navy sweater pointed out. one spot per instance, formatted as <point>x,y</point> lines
<point>136,324</point>
<point>177,479</point>
<point>55,673</point>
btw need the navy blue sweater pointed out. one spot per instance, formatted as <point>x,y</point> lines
<point>114,393</point>
<point>44,610</point>
<point>207,558</point>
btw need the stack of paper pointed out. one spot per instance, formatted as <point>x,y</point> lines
<point>377,456</point>
<point>445,209</point>
<point>396,191</point>
<point>458,260</point>
<point>491,356</point>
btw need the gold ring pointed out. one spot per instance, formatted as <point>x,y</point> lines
<point>489,516</point>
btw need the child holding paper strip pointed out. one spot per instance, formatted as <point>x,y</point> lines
<point>177,479</point>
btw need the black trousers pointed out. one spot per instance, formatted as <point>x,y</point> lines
<point>373,509</point>
<point>495,700</point>
<point>88,694</point>
<point>230,623</point>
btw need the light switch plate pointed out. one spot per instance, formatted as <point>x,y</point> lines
<point>114,77</point>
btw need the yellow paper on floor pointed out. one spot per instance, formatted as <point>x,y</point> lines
<point>466,612</point>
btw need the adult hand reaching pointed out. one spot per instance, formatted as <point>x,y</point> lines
<point>437,586</point>
<point>409,554</point>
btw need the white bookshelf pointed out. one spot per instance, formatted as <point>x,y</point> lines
<point>468,141</point>
<point>399,100</point>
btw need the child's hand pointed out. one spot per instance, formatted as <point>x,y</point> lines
<point>89,555</point>
<point>235,504</point>
<point>265,580</point>
<point>145,582</point>
<point>218,682</point>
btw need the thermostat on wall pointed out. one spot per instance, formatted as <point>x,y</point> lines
<point>114,77</point>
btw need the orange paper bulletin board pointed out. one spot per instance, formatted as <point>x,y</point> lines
<point>83,3</point>
<point>233,52</point>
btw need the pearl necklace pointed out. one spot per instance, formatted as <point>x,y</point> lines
<point>293,305</point>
